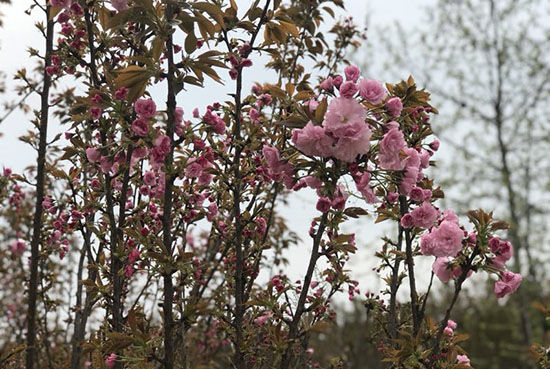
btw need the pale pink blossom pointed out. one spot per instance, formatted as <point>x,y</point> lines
<point>394,106</point>
<point>447,239</point>
<point>425,215</point>
<point>342,111</point>
<point>372,91</point>
<point>313,140</point>
<point>441,269</point>
<point>391,145</point>
<point>463,359</point>
<point>120,4</point>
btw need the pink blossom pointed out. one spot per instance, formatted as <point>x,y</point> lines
<point>271,156</point>
<point>348,89</point>
<point>254,115</point>
<point>352,73</point>
<point>110,361</point>
<point>76,9</point>
<point>60,3</point>
<point>337,81</point>
<point>372,91</point>
<point>312,140</point>
<point>451,324</point>
<point>150,178</point>
<point>503,251</point>
<point>120,4</point>
<point>95,112</point>
<point>407,221</point>
<point>121,93</point>
<point>134,255</point>
<point>463,359</point>
<point>450,215</point>
<point>434,145</point>
<point>448,331</point>
<point>394,106</point>
<point>441,269</point>
<point>327,84</point>
<point>427,244</point>
<point>212,212</point>
<point>18,247</point>
<point>353,140</point>
<point>508,283</point>
<point>140,127</point>
<point>339,198</point>
<point>447,239</point>
<point>362,183</point>
<point>323,204</point>
<point>425,215</point>
<point>262,320</point>
<point>93,154</point>
<point>145,108</point>
<point>63,17</point>
<point>342,112</point>
<point>417,194</point>
<point>178,115</point>
<point>162,143</point>
<point>105,164</point>
<point>391,145</point>
<point>193,170</point>
<point>205,179</point>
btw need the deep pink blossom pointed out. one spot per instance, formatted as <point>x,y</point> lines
<point>140,127</point>
<point>93,154</point>
<point>348,89</point>
<point>60,3</point>
<point>76,9</point>
<point>323,204</point>
<point>508,283</point>
<point>327,84</point>
<point>95,112</point>
<point>121,93</point>
<point>352,73</point>
<point>145,108</point>
<point>110,361</point>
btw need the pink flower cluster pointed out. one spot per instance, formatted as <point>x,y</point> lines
<point>343,135</point>
<point>443,240</point>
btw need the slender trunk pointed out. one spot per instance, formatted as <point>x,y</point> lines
<point>31,351</point>
<point>300,307</point>
<point>168,301</point>
<point>506,175</point>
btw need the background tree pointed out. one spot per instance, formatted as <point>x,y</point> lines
<point>488,64</point>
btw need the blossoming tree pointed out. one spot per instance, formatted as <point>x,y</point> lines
<point>168,219</point>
